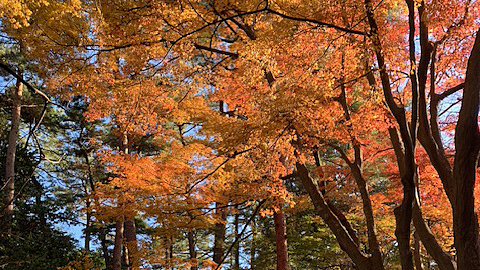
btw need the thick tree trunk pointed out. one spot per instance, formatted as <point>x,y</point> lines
<point>467,147</point>
<point>11,150</point>
<point>117,251</point>
<point>281,240</point>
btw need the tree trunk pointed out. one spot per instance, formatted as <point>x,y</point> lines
<point>467,147</point>
<point>403,218</point>
<point>117,251</point>
<point>88,202</point>
<point>219,234</point>
<point>87,226</point>
<point>120,223</point>
<point>281,240</point>
<point>11,150</point>
<point>103,241</point>
<point>236,253</point>
<point>253,246</point>
<point>191,250</point>
<point>416,252</point>
<point>170,254</point>
<point>131,242</point>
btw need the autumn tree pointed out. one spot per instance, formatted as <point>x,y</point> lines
<point>252,59</point>
<point>313,91</point>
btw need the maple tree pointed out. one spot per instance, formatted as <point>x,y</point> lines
<point>241,97</point>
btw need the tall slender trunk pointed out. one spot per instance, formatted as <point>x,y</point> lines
<point>88,202</point>
<point>191,249</point>
<point>120,222</point>
<point>117,251</point>
<point>219,234</point>
<point>236,252</point>
<point>281,240</point>
<point>169,254</point>
<point>220,228</point>
<point>103,241</point>
<point>131,239</point>
<point>416,252</point>
<point>11,150</point>
<point>253,247</point>
<point>88,226</point>
<point>131,248</point>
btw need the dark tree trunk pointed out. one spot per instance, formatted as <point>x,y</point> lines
<point>131,242</point>
<point>191,249</point>
<point>281,240</point>
<point>219,235</point>
<point>236,252</point>
<point>88,202</point>
<point>467,147</point>
<point>417,256</point>
<point>88,226</point>
<point>117,251</point>
<point>120,223</point>
<point>253,247</point>
<point>103,241</point>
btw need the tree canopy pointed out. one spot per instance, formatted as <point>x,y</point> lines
<point>227,134</point>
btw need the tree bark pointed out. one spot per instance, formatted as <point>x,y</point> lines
<point>467,147</point>
<point>88,202</point>
<point>120,223</point>
<point>117,251</point>
<point>281,240</point>
<point>131,243</point>
<point>417,256</point>
<point>236,252</point>
<point>191,249</point>
<point>407,138</point>
<point>403,219</point>
<point>253,247</point>
<point>219,235</point>
<point>87,226</point>
<point>11,151</point>
<point>103,242</point>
